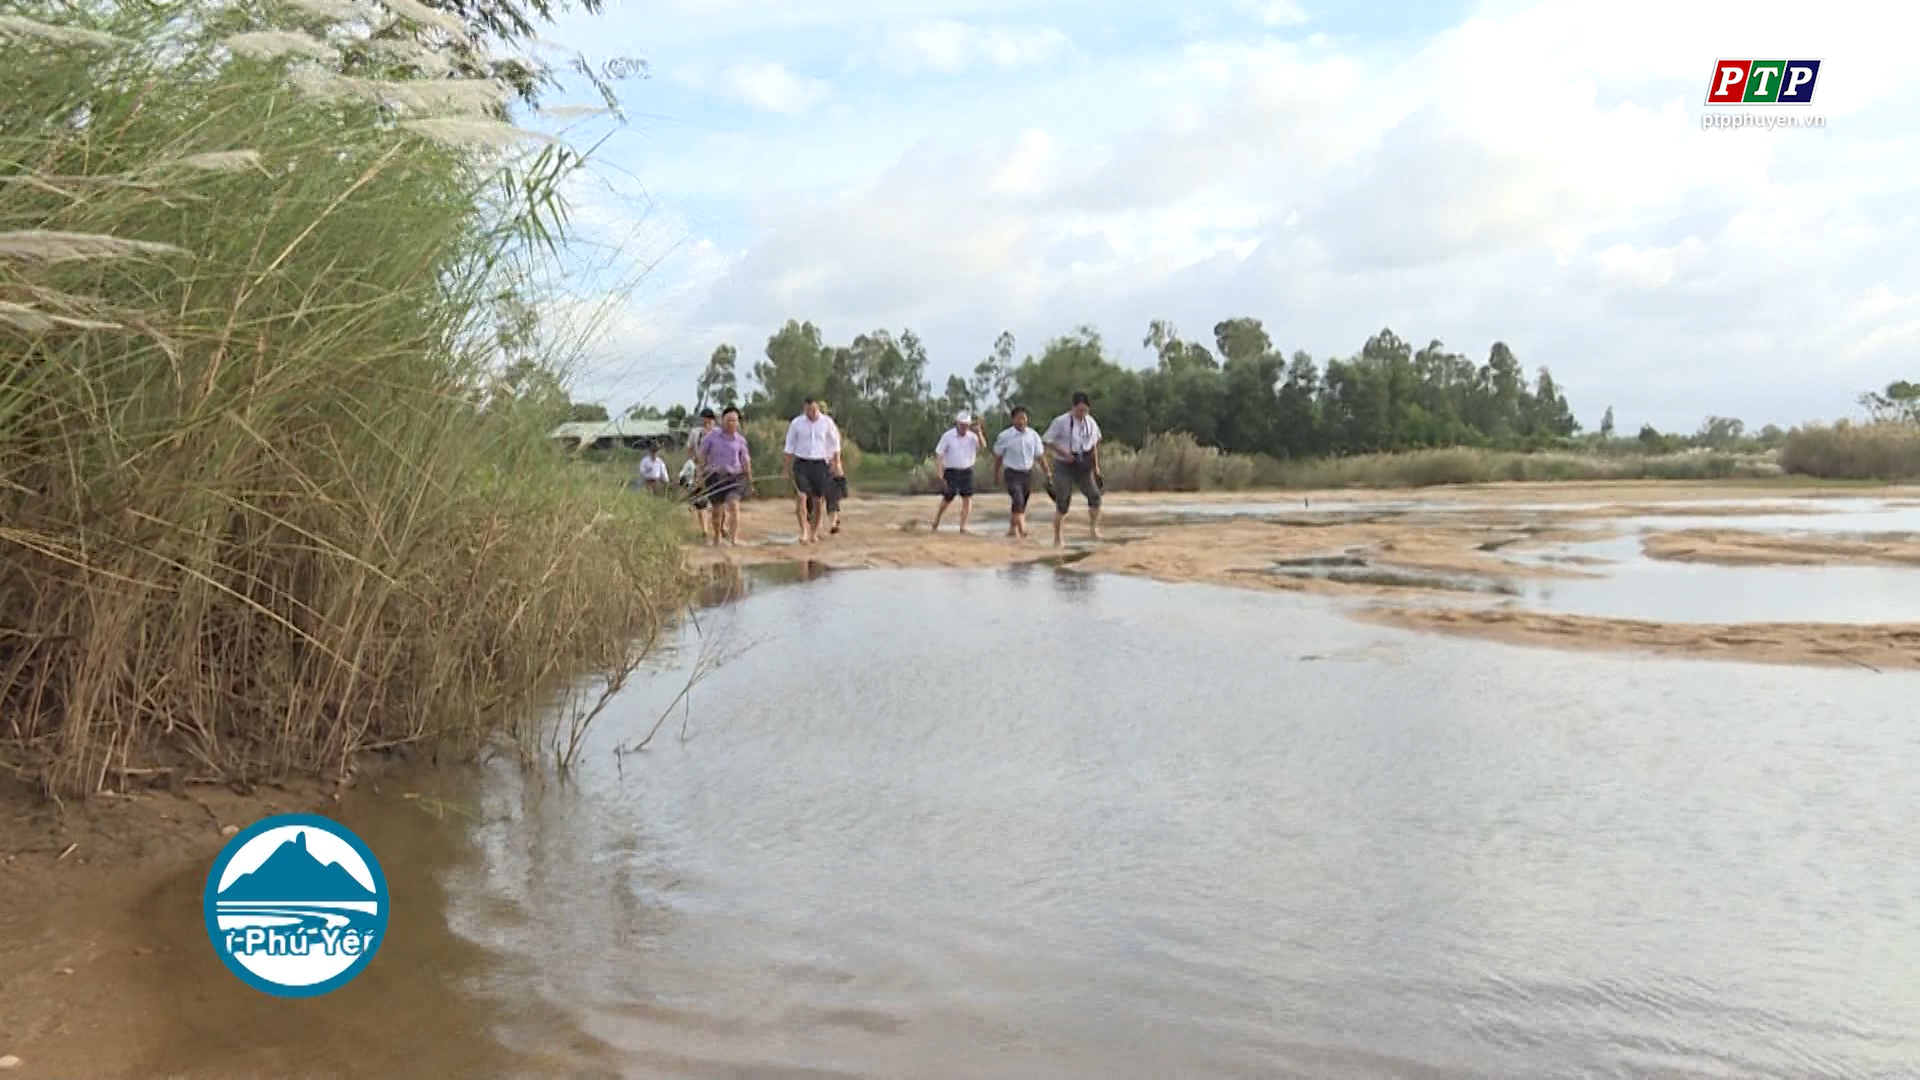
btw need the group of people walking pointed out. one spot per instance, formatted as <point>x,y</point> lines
<point>1067,456</point>
<point>719,469</point>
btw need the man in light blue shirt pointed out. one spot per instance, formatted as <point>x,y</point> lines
<point>1015,453</point>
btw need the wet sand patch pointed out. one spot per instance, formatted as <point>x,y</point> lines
<point>1735,547</point>
<point>1879,647</point>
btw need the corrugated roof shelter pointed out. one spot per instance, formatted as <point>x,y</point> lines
<point>607,434</point>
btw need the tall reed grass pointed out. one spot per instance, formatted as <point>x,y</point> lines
<point>1464,465</point>
<point>258,510</point>
<point>1846,451</point>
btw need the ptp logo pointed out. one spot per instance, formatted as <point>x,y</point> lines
<point>1763,82</point>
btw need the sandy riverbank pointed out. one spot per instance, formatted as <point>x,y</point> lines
<point>79,944</point>
<point>1878,647</point>
<point>1733,547</point>
<point>1404,552</point>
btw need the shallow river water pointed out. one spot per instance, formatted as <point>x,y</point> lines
<point>1030,823</point>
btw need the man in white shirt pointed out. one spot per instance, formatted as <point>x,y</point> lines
<point>1074,441</point>
<point>653,471</point>
<point>959,447</point>
<point>1015,453</point>
<point>813,446</point>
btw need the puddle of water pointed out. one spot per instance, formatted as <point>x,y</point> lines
<point>943,824</point>
<point>1624,583</point>
<point>729,583</point>
<point>1613,549</point>
<point>1642,588</point>
<point>1357,570</point>
<point>1838,524</point>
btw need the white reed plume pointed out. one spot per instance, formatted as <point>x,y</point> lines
<point>426,16</point>
<point>423,60</point>
<point>460,131</point>
<point>319,84</point>
<point>46,246</point>
<point>337,10</point>
<point>438,95</point>
<point>573,112</point>
<point>272,44</point>
<point>18,26</point>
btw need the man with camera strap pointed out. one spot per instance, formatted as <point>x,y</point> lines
<point>1074,439</point>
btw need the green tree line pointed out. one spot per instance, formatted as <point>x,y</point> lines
<point>1239,392</point>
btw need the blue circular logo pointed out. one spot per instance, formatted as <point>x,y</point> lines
<point>296,905</point>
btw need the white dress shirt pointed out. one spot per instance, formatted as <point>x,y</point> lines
<point>1070,436</point>
<point>652,468</point>
<point>1018,449</point>
<point>813,440</point>
<point>957,451</point>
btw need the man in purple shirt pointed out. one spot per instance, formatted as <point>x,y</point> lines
<point>729,469</point>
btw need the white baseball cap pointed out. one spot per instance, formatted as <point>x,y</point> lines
<point>962,418</point>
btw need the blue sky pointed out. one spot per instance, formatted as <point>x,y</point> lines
<point>1528,172</point>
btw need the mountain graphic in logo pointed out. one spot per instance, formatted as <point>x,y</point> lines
<point>292,873</point>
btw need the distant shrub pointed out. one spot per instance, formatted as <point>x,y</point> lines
<point>1461,465</point>
<point>1877,451</point>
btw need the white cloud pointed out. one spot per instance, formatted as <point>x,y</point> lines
<point>1274,12</point>
<point>950,46</point>
<point>765,85</point>
<point>1536,174</point>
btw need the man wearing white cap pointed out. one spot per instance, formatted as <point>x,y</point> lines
<point>959,446</point>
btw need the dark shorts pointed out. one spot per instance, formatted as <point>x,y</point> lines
<point>696,493</point>
<point>1067,477</point>
<point>726,487</point>
<point>1019,488</point>
<point>956,482</point>
<point>811,478</point>
<point>836,491</point>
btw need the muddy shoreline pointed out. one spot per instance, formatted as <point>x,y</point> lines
<point>1417,559</point>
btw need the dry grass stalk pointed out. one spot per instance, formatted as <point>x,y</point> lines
<point>40,322</point>
<point>213,161</point>
<point>17,26</point>
<point>49,246</point>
